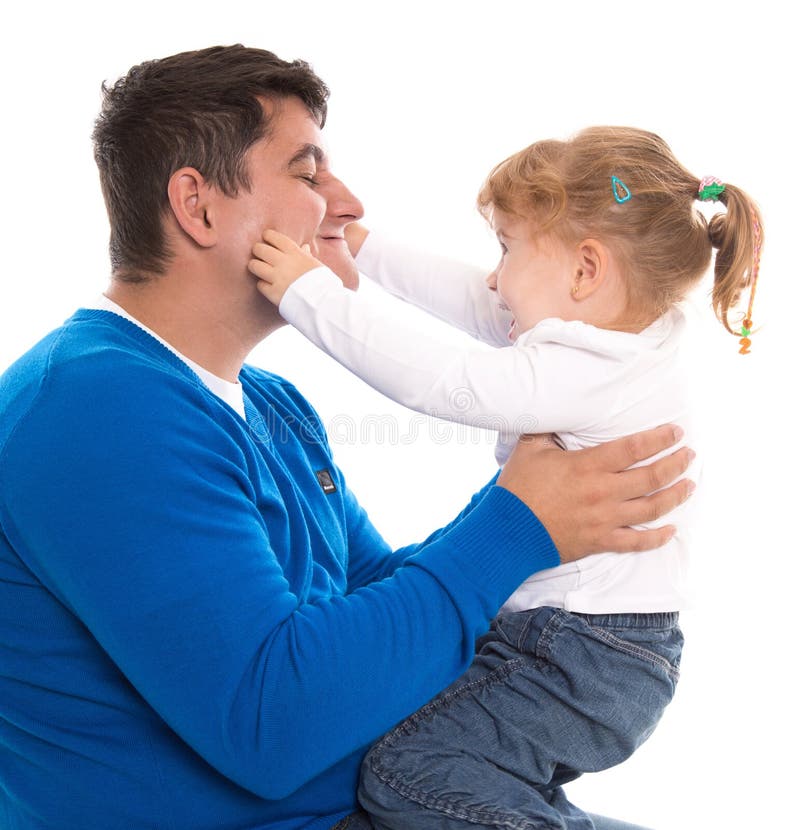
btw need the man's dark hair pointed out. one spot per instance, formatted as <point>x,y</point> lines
<point>196,109</point>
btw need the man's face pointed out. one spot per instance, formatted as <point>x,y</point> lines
<point>291,191</point>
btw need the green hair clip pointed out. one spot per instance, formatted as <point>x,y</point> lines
<point>710,189</point>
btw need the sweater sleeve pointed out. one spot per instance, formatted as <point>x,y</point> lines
<point>138,513</point>
<point>452,291</point>
<point>513,390</point>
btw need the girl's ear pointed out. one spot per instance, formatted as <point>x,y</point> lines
<point>591,269</point>
<point>192,204</point>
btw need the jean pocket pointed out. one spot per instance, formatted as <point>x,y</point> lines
<point>661,648</point>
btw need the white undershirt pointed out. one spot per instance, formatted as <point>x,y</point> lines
<point>228,391</point>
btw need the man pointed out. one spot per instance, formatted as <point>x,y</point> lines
<point>199,626</point>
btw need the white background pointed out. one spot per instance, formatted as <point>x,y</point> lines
<point>426,98</point>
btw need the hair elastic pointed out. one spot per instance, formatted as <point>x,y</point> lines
<point>620,190</point>
<point>710,189</point>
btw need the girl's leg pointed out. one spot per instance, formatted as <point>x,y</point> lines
<point>549,695</point>
<point>361,821</point>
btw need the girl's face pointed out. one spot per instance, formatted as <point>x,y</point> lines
<point>535,275</point>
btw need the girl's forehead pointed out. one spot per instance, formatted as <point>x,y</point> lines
<point>505,222</point>
<point>510,225</point>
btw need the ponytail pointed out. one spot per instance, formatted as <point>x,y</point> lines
<point>736,235</point>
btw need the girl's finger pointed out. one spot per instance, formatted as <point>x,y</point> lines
<point>266,252</point>
<point>260,269</point>
<point>279,240</point>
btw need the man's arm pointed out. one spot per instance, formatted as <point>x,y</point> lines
<point>588,500</point>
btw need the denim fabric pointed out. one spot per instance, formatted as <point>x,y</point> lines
<point>356,821</point>
<point>361,821</point>
<point>550,695</point>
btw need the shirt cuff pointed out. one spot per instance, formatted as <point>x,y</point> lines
<point>307,291</point>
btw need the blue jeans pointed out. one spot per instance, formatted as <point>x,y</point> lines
<point>550,695</point>
<point>361,821</point>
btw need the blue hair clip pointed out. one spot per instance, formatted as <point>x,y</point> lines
<point>620,190</point>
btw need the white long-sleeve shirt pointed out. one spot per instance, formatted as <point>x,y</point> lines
<point>584,384</point>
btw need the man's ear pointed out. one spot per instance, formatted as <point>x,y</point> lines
<point>592,267</point>
<point>191,200</point>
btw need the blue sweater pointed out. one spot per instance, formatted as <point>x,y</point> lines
<point>196,629</point>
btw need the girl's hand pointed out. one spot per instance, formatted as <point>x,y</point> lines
<point>278,261</point>
<point>354,235</point>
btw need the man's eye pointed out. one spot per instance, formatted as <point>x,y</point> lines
<point>310,178</point>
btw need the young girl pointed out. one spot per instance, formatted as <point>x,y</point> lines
<point>600,240</point>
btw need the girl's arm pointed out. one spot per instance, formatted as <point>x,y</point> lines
<point>452,291</point>
<point>513,390</point>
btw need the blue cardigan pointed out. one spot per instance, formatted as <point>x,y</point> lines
<point>199,625</point>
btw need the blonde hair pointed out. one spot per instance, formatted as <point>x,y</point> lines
<point>662,241</point>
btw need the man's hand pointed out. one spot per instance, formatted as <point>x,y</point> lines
<point>588,499</point>
<point>278,261</point>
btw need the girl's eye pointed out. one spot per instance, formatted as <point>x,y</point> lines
<point>503,249</point>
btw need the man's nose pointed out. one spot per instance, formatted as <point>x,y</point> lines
<point>491,281</point>
<point>342,204</point>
